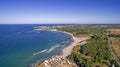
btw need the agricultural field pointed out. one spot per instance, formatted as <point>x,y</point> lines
<point>114,31</point>
<point>116,45</point>
<point>115,39</point>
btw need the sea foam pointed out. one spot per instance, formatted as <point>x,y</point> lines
<point>52,48</point>
<point>40,52</point>
<point>65,42</point>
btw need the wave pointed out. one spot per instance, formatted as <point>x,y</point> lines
<point>47,50</point>
<point>40,52</point>
<point>52,48</point>
<point>65,42</point>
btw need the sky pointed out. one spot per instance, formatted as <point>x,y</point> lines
<point>59,11</point>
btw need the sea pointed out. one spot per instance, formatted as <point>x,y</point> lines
<point>20,46</point>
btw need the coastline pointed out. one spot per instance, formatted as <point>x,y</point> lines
<point>66,51</point>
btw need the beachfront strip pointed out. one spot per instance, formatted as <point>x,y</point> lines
<point>56,62</point>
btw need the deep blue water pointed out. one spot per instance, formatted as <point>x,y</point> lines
<point>20,46</point>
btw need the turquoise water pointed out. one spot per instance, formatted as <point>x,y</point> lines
<point>20,46</point>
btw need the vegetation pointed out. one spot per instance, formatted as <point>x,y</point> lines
<point>96,52</point>
<point>115,35</point>
<point>88,29</point>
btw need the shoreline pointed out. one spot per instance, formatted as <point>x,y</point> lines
<point>66,51</point>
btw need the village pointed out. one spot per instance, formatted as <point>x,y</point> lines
<point>56,62</point>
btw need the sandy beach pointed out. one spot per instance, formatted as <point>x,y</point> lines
<point>68,49</point>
